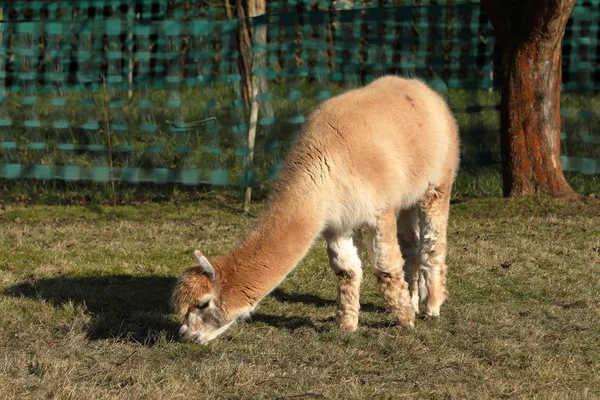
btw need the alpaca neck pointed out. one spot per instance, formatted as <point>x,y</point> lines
<point>259,264</point>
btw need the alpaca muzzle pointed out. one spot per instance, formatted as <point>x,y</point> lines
<point>188,336</point>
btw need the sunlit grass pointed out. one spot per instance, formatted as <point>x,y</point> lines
<point>83,311</point>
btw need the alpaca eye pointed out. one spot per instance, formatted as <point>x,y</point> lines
<point>202,306</point>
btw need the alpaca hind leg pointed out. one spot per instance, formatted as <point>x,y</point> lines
<point>388,265</point>
<point>345,262</point>
<point>433,221</point>
<point>408,238</point>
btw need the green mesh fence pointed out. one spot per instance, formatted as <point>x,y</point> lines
<point>168,64</point>
<point>581,90</point>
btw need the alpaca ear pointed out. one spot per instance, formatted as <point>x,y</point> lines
<point>203,261</point>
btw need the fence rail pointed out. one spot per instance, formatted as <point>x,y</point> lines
<point>169,63</point>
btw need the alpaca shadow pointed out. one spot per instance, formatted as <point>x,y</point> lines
<point>292,323</point>
<point>136,309</point>
<point>122,307</point>
<point>305,298</point>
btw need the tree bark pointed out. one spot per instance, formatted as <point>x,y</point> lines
<point>529,34</point>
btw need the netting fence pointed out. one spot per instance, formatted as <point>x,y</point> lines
<point>167,64</point>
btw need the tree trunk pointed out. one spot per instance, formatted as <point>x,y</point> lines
<point>530,35</point>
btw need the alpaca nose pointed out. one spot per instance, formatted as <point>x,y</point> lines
<point>186,335</point>
<point>183,330</point>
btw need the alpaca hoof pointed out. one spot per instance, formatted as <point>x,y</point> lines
<point>428,317</point>
<point>347,329</point>
<point>433,312</point>
<point>406,324</point>
<point>347,323</point>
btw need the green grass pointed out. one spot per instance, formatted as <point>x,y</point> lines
<point>472,182</point>
<point>474,111</point>
<point>83,310</point>
<point>480,147</point>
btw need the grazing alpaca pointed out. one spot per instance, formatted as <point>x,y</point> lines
<point>381,157</point>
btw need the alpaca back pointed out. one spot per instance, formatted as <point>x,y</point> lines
<point>373,148</point>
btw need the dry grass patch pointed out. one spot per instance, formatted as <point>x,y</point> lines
<point>83,311</point>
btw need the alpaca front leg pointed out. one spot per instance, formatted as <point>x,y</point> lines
<point>345,262</point>
<point>388,265</point>
<point>433,216</point>
<point>408,238</point>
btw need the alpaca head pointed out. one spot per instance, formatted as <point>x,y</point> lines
<point>197,300</point>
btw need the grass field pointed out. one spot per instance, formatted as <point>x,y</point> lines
<point>83,310</point>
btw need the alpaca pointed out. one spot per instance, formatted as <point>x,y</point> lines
<point>382,157</point>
